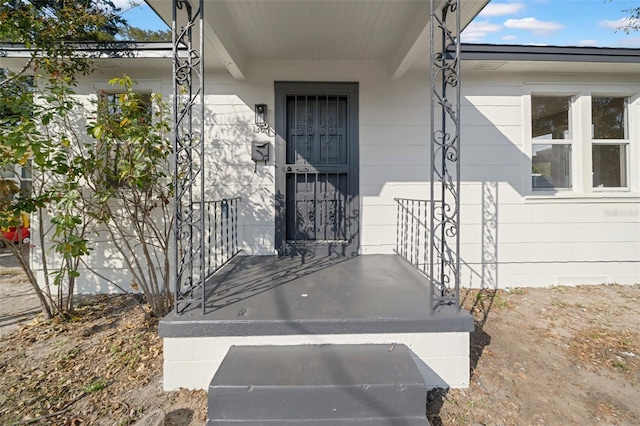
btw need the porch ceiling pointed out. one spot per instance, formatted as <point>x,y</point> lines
<point>241,31</point>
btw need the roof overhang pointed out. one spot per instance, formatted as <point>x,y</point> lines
<point>116,54</point>
<point>549,59</point>
<point>241,32</point>
<point>485,58</point>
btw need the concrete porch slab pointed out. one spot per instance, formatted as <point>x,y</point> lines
<point>268,295</point>
<point>272,301</point>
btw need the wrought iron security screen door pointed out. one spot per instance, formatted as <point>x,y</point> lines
<point>317,167</point>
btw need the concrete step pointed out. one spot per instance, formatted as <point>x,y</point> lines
<point>318,385</point>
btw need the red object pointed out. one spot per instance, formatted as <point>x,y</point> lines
<point>18,235</point>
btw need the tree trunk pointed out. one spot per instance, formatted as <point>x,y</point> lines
<point>24,264</point>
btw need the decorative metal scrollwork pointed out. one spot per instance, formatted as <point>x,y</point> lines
<point>444,255</point>
<point>331,215</point>
<point>328,127</point>
<point>188,146</point>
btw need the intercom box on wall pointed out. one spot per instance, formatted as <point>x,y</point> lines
<point>260,151</point>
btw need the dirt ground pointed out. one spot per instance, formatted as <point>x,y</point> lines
<point>559,356</point>
<point>556,356</point>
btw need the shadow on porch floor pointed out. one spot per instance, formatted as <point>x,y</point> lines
<point>268,295</point>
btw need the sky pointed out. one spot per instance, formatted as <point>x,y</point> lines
<point>528,22</point>
<point>138,14</point>
<point>554,22</point>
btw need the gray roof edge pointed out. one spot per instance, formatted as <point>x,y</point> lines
<point>106,50</point>
<point>502,52</point>
<point>98,46</point>
<point>482,52</point>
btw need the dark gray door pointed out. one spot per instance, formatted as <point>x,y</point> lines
<point>317,167</point>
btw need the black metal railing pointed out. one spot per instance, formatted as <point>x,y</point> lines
<point>414,240</point>
<point>219,244</point>
<point>221,233</point>
<point>412,236</point>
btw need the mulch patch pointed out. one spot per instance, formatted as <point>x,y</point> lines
<point>109,344</point>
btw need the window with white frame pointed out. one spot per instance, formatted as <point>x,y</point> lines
<point>109,109</point>
<point>609,141</point>
<point>580,142</point>
<point>551,134</point>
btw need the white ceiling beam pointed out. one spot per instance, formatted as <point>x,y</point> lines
<point>417,37</point>
<point>419,33</point>
<point>219,37</point>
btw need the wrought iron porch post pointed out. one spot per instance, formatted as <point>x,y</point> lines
<point>444,253</point>
<point>188,148</point>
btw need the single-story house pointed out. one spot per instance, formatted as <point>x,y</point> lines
<point>318,121</point>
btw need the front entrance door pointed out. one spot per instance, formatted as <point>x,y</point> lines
<point>317,168</point>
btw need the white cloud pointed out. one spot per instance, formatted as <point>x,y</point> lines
<point>533,25</point>
<point>501,9</point>
<point>588,43</point>
<point>476,31</point>
<point>620,23</point>
<point>509,38</point>
<point>126,4</point>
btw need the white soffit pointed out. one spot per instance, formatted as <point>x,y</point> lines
<point>552,67</point>
<point>391,31</point>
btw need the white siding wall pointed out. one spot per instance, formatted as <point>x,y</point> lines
<point>393,145</point>
<point>580,237</point>
<point>526,240</point>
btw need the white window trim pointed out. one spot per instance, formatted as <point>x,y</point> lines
<point>18,174</point>
<point>150,87</point>
<point>628,141</point>
<point>580,115</point>
<point>574,132</point>
<point>141,87</point>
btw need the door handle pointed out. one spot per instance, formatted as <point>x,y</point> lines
<point>304,170</point>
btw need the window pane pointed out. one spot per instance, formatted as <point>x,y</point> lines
<point>110,103</point>
<point>8,171</point>
<point>609,166</point>
<point>608,118</point>
<point>551,166</point>
<point>550,117</point>
<point>26,188</point>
